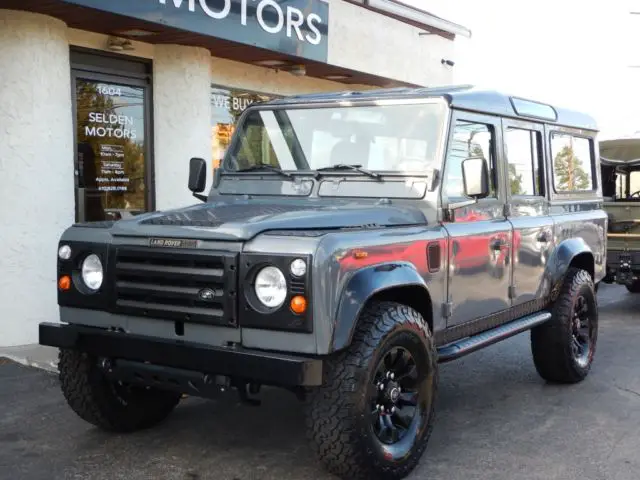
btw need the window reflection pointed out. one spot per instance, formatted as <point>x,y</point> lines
<point>572,163</point>
<point>111,150</point>
<point>227,104</point>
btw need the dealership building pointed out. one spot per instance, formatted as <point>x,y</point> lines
<point>103,102</point>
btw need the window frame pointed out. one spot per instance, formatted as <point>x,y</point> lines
<point>497,178</point>
<point>106,67</point>
<point>441,145</point>
<point>592,159</point>
<point>530,127</point>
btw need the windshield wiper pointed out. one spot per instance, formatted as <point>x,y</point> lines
<point>347,166</point>
<point>265,166</point>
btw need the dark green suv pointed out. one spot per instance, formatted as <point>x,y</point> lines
<point>620,163</point>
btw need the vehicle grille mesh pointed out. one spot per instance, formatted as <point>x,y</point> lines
<point>170,283</point>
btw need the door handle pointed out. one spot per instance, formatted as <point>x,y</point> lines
<point>543,237</point>
<point>498,244</point>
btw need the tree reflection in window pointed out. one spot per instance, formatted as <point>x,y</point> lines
<point>98,153</point>
<point>572,169</point>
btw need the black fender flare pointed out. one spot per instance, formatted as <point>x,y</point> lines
<point>362,286</point>
<point>564,255</point>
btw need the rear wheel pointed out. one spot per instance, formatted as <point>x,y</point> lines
<point>373,416</point>
<point>106,404</point>
<point>563,348</point>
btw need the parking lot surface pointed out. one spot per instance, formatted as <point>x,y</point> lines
<point>496,419</point>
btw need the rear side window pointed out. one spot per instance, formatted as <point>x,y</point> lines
<point>573,162</point>
<point>524,157</point>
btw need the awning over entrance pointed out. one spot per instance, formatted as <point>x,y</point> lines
<point>268,33</point>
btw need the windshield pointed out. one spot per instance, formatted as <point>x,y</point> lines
<point>391,138</point>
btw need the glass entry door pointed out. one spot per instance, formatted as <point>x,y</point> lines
<point>112,146</point>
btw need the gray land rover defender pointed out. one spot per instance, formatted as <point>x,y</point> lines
<point>350,243</point>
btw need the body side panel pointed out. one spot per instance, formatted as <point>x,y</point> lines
<point>340,289</point>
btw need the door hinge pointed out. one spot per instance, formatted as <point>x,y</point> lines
<point>446,309</point>
<point>507,210</point>
<point>512,291</point>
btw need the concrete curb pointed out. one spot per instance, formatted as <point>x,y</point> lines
<point>49,367</point>
<point>35,356</point>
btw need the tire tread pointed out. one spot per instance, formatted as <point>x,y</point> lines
<point>551,351</point>
<point>330,428</point>
<point>87,392</point>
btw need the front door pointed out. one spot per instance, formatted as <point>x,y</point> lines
<point>533,238</point>
<point>479,235</point>
<point>112,145</point>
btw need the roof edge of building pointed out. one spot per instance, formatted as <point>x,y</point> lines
<point>414,15</point>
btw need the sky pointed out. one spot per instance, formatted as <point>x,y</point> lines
<point>571,53</point>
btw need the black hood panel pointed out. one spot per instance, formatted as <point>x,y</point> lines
<point>237,219</point>
<point>217,215</point>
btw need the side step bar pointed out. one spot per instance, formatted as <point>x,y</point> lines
<point>468,345</point>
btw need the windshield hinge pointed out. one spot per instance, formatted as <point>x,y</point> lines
<point>507,210</point>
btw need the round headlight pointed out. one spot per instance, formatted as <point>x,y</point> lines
<point>298,267</point>
<point>92,272</point>
<point>271,287</point>
<point>64,252</point>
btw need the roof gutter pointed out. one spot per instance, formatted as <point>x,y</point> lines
<point>416,15</point>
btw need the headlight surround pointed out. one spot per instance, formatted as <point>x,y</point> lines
<point>92,272</point>
<point>270,287</point>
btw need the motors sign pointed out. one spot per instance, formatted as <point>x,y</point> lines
<point>294,27</point>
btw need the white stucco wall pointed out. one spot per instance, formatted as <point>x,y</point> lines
<point>369,42</point>
<point>36,169</point>
<point>182,119</point>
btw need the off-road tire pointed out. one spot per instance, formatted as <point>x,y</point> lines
<point>551,342</point>
<point>93,398</point>
<point>337,414</point>
<point>634,287</point>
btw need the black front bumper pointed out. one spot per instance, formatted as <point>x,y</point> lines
<point>190,359</point>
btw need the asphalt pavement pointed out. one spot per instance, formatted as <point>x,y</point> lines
<point>496,419</point>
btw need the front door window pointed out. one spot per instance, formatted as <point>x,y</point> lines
<point>111,149</point>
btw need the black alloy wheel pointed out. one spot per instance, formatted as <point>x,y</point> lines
<point>395,396</point>
<point>583,332</point>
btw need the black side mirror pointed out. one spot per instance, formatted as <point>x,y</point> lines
<point>197,177</point>
<point>475,177</point>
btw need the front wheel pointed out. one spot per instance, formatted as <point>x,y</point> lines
<point>633,287</point>
<point>373,416</point>
<point>108,405</point>
<point>564,347</point>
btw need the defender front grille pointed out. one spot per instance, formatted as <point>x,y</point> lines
<point>179,285</point>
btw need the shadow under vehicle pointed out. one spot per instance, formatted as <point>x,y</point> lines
<point>320,261</point>
<point>620,163</point>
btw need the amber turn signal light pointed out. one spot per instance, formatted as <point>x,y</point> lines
<point>64,282</point>
<point>298,304</point>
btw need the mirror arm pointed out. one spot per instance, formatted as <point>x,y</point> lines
<point>465,203</point>
<point>199,196</point>
<point>449,210</point>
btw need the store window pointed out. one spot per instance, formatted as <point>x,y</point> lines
<point>227,104</point>
<point>111,149</point>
